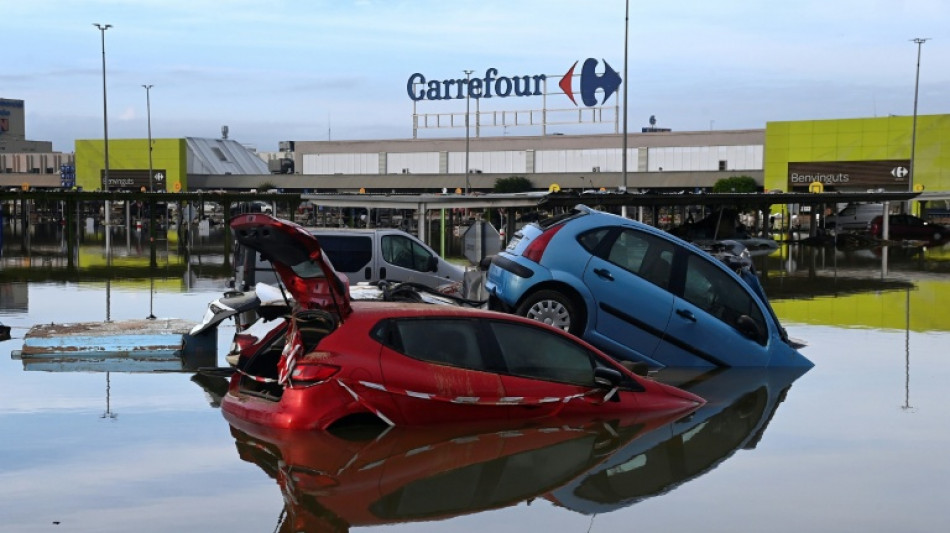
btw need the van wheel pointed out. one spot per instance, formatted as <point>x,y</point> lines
<point>555,309</point>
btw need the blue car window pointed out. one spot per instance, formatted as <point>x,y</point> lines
<point>535,353</point>
<point>714,291</point>
<point>645,255</point>
<point>592,240</point>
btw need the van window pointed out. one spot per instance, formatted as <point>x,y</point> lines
<point>404,252</point>
<point>347,253</point>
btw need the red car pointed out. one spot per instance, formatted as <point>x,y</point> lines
<point>333,361</point>
<point>908,227</point>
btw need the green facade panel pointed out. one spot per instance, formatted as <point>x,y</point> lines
<point>865,139</point>
<point>130,156</point>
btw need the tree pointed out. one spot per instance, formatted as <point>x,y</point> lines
<point>513,184</point>
<point>736,184</point>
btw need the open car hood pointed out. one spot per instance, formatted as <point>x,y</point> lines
<point>298,261</point>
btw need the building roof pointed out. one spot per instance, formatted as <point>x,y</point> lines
<point>222,156</point>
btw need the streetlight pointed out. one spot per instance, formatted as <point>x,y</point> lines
<point>626,48</point>
<point>105,120</point>
<point>148,112</point>
<point>151,204</point>
<point>468,96</point>
<point>626,37</point>
<point>913,135</point>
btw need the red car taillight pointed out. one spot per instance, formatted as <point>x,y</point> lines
<point>310,373</point>
<point>536,248</point>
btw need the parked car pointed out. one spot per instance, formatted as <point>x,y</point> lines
<point>334,361</point>
<point>365,255</point>
<point>908,227</point>
<point>854,217</point>
<point>638,293</point>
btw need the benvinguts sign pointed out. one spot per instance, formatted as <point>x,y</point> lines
<point>849,173</point>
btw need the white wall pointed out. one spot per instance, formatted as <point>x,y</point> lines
<point>507,162</point>
<point>691,158</point>
<point>607,160</point>
<point>417,163</point>
<point>704,158</point>
<point>341,163</point>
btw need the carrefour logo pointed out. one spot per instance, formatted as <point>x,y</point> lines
<point>493,85</point>
<point>590,82</point>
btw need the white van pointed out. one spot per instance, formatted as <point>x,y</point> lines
<point>854,217</point>
<point>365,255</point>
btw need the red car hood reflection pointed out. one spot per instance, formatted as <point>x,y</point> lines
<point>331,483</point>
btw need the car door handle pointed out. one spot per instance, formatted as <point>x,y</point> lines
<point>687,314</point>
<point>604,273</point>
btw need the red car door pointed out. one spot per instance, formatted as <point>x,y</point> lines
<point>435,371</point>
<point>548,374</point>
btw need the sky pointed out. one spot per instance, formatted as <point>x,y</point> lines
<point>313,70</point>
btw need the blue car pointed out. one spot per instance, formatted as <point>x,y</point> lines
<point>638,293</point>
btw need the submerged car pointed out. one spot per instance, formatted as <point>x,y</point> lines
<point>332,361</point>
<point>639,293</point>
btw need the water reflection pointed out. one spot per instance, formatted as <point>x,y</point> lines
<point>50,252</point>
<point>741,403</point>
<point>801,271</point>
<point>334,482</point>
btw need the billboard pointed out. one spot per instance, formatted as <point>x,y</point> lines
<point>854,174</point>
<point>133,179</point>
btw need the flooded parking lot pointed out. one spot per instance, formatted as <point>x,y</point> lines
<point>854,444</point>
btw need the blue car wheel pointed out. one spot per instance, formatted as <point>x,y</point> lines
<point>553,308</point>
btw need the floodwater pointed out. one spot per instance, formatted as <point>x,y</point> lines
<point>858,443</point>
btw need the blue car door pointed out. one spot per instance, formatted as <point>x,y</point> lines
<point>704,329</point>
<point>628,277</point>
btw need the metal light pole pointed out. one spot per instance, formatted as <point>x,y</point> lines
<point>626,38</point>
<point>913,135</point>
<point>468,96</point>
<point>105,137</point>
<point>105,110</point>
<point>151,204</point>
<point>148,112</point>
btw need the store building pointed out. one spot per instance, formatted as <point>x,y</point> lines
<point>22,161</point>
<point>173,163</point>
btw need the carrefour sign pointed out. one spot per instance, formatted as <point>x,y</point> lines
<point>493,85</point>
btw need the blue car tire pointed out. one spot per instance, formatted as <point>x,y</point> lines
<point>554,308</point>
